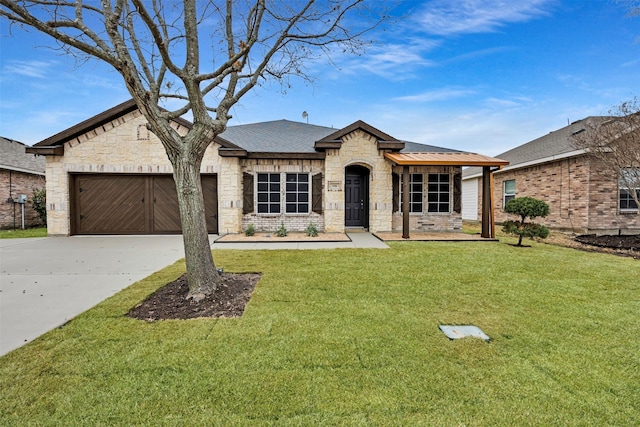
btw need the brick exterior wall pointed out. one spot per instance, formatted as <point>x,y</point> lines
<point>426,221</point>
<point>12,184</point>
<point>292,222</point>
<point>582,196</point>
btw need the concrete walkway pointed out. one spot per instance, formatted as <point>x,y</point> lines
<point>45,282</point>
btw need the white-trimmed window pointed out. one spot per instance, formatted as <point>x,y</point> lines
<point>439,193</point>
<point>629,175</point>
<point>268,193</point>
<point>508,191</point>
<point>297,193</point>
<point>416,188</point>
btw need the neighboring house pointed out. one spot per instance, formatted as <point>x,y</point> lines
<point>110,175</point>
<point>583,195</point>
<point>20,174</point>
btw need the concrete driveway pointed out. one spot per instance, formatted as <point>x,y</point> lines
<point>44,282</point>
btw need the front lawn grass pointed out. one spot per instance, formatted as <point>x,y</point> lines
<point>350,337</point>
<point>27,232</point>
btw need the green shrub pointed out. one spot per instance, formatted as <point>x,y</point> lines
<point>281,231</point>
<point>311,230</point>
<point>39,203</point>
<point>250,231</point>
<point>526,207</point>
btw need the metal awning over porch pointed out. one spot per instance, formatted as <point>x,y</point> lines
<point>489,164</point>
<point>444,159</point>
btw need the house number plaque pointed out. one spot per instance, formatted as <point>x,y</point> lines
<point>335,185</point>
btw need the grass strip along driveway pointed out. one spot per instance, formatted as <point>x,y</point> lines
<point>350,337</point>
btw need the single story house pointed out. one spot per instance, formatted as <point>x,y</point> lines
<point>110,175</point>
<point>20,174</point>
<point>583,195</point>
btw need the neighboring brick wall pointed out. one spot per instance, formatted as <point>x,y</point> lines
<point>12,184</point>
<point>604,214</point>
<point>562,184</point>
<point>582,195</point>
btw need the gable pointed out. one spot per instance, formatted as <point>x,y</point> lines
<point>335,139</point>
<point>96,125</point>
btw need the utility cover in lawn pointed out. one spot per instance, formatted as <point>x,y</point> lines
<point>454,332</point>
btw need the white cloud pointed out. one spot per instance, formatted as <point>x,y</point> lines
<point>436,95</point>
<point>446,17</point>
<point>394,61</point>
<point>501,103</point>
<point>33,69</point>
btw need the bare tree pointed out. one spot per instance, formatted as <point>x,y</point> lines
<point>633,6</point>
<point>200,56</point>
<point>615,142</point>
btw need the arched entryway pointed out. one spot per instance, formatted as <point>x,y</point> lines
<point>356,197</point>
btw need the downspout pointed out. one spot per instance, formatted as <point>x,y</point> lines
<point>11,198</point>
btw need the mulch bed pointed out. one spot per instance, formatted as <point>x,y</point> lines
<point>631,243</point>
<point>627,246</point>
<point>170,301</point>
<point>263,237</point>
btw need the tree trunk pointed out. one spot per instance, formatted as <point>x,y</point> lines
<point>521,228</point>
<point>202,274</point>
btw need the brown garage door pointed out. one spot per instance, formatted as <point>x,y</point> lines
<point>134,204</point>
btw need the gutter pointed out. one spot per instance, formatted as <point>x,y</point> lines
<point>16,169</point>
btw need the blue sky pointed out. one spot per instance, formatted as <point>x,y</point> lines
<point>475,75</point>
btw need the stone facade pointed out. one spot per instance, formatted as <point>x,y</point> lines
<point>582,195</point>
<point>12,184</point>
<point>124,146</point>
<point>358,149</point>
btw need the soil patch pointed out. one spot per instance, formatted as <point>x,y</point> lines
<point>170,301</point>
<point>611,244</point>
<point>631,243</point>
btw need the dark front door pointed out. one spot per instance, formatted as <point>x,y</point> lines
<point>355,210</point>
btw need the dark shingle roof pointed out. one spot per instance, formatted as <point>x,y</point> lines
<point>284,136</point>
<point>280,136</point>
<point>556,143</point>
<point>414,147</point>
<point>14,157</point>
